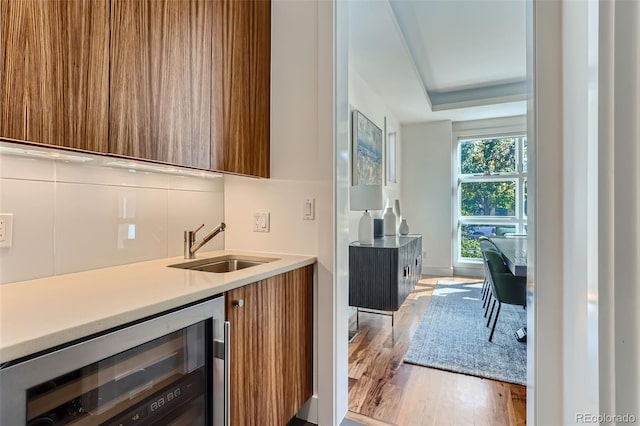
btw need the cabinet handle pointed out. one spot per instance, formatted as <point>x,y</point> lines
<point>238,303</point>
<point>227,373</point>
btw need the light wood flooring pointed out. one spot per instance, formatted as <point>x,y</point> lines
<point>383,388</point>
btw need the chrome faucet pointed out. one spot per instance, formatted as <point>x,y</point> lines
<point>190,245</point>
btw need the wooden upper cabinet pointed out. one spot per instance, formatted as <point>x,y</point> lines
<point>160,93</point>
<point>54,72</point>
<point>241,88</point>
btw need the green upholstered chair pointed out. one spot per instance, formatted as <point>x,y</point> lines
<point>486,244</point>
<point>505,287</point>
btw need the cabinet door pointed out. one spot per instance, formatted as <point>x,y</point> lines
<point>160,92</point>
<point>54,73</point>
<point>271,348</point>
<point>418,259</point>
<point>405,283</point>
<point>241,76</point>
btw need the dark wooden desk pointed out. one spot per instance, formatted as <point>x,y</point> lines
<point>514,250</point>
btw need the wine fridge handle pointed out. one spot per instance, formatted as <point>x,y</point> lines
<point>227,373</point>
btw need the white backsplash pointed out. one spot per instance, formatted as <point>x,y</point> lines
<point>78,212</point>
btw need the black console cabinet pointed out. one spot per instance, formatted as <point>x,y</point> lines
<point>383,274</point>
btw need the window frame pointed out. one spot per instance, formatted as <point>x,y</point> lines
<point>463,132</point>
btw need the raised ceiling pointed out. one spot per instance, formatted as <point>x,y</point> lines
<point>446,59</point>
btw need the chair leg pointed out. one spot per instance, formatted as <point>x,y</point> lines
<point>484,290</point>
<point>486,308</point>
<point>486,298</point>
<point>495,321</point>
<point>491,314</point>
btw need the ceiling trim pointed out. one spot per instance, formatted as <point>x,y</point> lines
<point>477,96</point>
<point>412,58</point>
<point>456,98</point>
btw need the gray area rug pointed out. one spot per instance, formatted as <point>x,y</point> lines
<point>452,336</point>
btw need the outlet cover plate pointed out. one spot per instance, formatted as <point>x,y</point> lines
<point>261,222</point>
<point>6,229</point>
<point>309,209</point>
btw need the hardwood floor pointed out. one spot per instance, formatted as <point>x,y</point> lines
<point>382,387</point>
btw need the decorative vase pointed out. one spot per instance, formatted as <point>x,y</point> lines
<point>389,224</point>
<point>365,229</point>
<point>378,227</point>
<point>404,228</point>
<point>396,211</point>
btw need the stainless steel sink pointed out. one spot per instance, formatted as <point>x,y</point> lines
<point>222,264</point>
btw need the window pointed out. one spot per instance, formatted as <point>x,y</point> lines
<point>491,194</point>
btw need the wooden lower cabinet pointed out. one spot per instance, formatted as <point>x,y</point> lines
<point>271,348</point>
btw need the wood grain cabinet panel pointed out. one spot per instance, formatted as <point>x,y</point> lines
<point>160,92</point>
<point>55,72</point>
<point>241,86</point>
<point>271,347</point>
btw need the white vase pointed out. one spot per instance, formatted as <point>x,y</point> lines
<point>389,225</point>
<point>396,211</point>
<point>365,229</point>
<point>404,228</point>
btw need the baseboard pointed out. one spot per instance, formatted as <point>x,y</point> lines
<point>441,271</point>
<point>309,411</point>
<point>356,419</point>
<point>470,271</point>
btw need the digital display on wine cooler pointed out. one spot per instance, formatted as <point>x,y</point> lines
<point>164,399</point>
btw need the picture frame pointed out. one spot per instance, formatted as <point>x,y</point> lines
<point>392,158</point>
<point>367,151</point>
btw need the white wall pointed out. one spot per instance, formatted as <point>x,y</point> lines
<point>427,190</point>
<point>283,199</point>
<point>584,255</point>
<point>619,202</point>
<point>302,166</point>
<point>365,100</point>
<point>580,183</point>
<point>74,212</point>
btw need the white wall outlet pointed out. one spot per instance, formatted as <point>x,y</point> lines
<point>6,229</point>
<point>261,222</point>
<point>309,209</point>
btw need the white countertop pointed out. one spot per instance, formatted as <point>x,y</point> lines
<point>39,314</point>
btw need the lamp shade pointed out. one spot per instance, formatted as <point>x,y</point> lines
<point>366,197</point>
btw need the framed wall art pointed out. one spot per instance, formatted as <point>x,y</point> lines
<point>367,167</point>
<point>391,158</point>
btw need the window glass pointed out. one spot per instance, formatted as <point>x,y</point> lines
<point>488,198</point>
<point>488,156</point>
<point>524,155</point>
<point>469,234</point>
<point>492,176</point>
<point>524,198</point>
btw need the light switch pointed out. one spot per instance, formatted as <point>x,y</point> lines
<point>6,229</point>
<point>261,222</point>
<point>309,209</point>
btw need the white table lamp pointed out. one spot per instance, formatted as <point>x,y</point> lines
<point>366,197</point>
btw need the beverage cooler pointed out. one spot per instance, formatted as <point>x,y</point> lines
<point>169,370</point>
